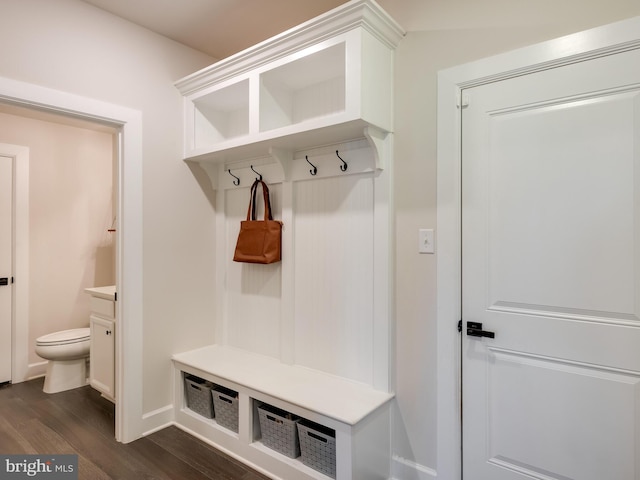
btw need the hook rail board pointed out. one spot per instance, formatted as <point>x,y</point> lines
<point>357,155</point>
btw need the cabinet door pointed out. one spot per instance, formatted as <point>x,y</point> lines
<point>102,364</point>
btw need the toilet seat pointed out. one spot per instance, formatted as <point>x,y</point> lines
<point>65,337</point>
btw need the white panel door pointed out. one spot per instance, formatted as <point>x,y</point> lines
<point>551,265</point>
<point>6,236</point>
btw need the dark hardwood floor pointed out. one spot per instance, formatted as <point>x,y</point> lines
<point>81,422</point>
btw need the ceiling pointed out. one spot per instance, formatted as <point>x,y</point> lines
<point>218,28</point>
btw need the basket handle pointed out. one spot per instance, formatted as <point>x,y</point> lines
<point>197,387</point>
<point>274,419</point>
<point>220,397</point>
<point>317,437</point>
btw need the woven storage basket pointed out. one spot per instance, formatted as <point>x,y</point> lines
<point>225,403</point>
<point>279,431</point>
<point>318,447</point>
<point>199,395</point>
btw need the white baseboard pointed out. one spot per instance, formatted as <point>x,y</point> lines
<point>157,419</point>
<point>35,370</point>
<point>403,469</point>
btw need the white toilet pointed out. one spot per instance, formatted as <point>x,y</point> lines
<point>67,352</point>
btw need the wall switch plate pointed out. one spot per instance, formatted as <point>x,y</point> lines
<point>426,240</point>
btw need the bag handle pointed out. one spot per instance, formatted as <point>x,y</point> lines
<point>251,212</point>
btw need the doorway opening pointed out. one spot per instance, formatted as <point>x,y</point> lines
<point>15,261</point>
<point>126,124</point>
<point>65,190</point>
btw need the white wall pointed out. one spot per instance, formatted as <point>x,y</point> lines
<point>73,47</point>
<point>71,208</point>
<point>441,35</point>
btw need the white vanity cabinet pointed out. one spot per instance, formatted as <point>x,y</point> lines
<point>103,330</point>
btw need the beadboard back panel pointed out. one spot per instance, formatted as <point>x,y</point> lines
<point>333,255</point>
<point>253,294</point>
<point>316,308</point>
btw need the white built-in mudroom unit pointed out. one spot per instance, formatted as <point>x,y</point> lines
<point>308,339</point>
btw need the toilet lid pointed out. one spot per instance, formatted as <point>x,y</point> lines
<point>65,337</point>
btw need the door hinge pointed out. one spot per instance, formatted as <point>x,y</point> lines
<point>462,100</point>
<point>459,326</point>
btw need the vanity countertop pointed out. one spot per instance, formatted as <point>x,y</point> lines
<point>108,292</point>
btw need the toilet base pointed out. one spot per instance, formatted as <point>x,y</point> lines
<point>65,375</point>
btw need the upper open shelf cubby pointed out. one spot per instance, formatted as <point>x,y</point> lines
<point>304,89</point>
<point>325,81</point>
<point>221,115</point>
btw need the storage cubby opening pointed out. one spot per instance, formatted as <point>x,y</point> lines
<point>308,442</point>
<point>310,87</point>
<point>211,401</point>
<point>221,115</point>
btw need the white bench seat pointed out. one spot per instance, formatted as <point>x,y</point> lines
<point>338,398</point>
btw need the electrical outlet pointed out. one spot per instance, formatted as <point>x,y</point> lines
<point>426,240</point>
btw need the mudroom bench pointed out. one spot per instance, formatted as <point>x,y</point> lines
<point>357,414</point>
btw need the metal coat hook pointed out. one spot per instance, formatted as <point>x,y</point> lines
<point>254,171</point>
<point>314,170</point>
<point>344,165</point>
<point>236,182</point>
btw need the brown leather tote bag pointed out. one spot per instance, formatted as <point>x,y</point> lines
<point>259,241</point>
